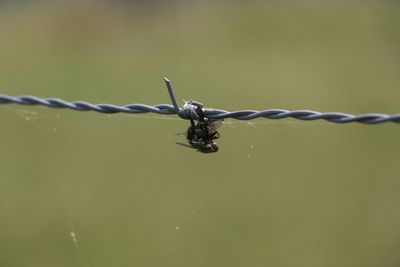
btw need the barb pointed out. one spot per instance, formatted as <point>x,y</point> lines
<point>187,112</point>
<point>172,96</point>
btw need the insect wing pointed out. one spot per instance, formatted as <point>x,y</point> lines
<point>212,127</point>
<point>185,145</point>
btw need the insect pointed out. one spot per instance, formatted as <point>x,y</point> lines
<point>201,135</point>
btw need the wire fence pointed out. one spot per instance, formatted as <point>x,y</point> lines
<point>189,111</point>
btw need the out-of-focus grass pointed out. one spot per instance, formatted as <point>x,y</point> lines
<point>281,193</point>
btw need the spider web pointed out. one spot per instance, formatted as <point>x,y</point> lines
<point>51,121</point>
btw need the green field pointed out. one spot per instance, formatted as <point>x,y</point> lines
<point>278,193</point>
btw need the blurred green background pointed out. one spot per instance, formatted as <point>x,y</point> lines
<point>88,189</point>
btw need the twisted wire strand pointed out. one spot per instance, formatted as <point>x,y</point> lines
<point>213,114</point>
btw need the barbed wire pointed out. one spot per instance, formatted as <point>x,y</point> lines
<point>189,111</point>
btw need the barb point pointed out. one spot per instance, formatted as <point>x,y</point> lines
<point>172,96</point>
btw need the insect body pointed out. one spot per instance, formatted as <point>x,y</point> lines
<point>201,135</point>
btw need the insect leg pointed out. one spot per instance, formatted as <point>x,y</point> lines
<point>215,135</point>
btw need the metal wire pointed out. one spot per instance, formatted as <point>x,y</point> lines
<point>187,112</point>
